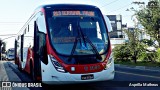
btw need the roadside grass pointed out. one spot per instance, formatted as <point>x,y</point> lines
<point>139,63</point>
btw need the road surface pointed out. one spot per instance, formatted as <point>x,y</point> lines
<point>125,78</point>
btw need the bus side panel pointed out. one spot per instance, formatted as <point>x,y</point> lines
<point>24,45</point>
<point>28,42</point>
<point>29,59</point>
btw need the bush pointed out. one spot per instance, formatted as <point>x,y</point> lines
<point>158,55</point>
<point>121,53</point>
<point>152,56</point>
<point>143,56</point>
<point>148,42</point>
<point>148,56</point>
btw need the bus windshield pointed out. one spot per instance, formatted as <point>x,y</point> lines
<point>77,32</point>
<point>11,52</point>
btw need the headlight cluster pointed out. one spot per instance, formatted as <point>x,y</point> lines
<point>110,59</point>
<point>109,62</point>
<point>57,65</point>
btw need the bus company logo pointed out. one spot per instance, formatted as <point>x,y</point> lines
<point>6,84</point>
<point>86,68</point>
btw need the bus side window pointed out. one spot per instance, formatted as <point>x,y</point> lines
<point>40,45</point>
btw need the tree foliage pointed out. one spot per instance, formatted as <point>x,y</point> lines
<point>122,53</point>
<point>158,55</point>
<point>149,17</point>
<point>130,50</point>
<point>136,47</point>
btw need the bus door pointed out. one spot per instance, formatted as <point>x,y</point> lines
<point>39,49</point>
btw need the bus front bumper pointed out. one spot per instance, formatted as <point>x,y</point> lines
<point>52,76</point>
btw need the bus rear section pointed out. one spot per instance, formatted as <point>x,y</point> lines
<point>70,45</point>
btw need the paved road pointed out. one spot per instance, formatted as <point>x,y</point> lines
<point>136,74</point>
<point>124,76</point>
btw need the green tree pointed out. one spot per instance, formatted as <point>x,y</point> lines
<point>158,55</point>
<point>149,17</point>
<point>122,53</point>
<point>148,42</point>
<point>136,47</point>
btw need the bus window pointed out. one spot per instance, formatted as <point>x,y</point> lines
<point>88,29</point>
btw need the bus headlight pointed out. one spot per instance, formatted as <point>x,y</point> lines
<point>109,62</point>
<point>57,65</point>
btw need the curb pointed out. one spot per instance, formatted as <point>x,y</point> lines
<point>139,67</point>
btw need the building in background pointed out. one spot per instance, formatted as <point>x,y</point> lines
<point>116,36</point>
<point>116,22</point>
<point>142,33</point>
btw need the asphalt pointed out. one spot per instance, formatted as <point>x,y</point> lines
<point>8,75</point>
<point>139,67</point>
<point>3,75</point>
<point>124,73</point>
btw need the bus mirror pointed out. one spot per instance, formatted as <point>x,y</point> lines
<point>42,51</point>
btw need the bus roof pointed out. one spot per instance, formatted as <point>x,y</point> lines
<point>67,6</point>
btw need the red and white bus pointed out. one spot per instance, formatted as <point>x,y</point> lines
<point>65,43</point>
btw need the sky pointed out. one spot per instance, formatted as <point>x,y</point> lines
<point>14,13</point>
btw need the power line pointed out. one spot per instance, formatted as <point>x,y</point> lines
<point>119,8</point>
<point>108,3</point>
<point>8,34</point>
<point>12,22</point>
<point>8,37</point>
<point>97,1</point>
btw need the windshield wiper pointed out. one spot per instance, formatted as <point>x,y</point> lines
<point>98,56</point>
<point>85,39</point>
<point>73,49</point>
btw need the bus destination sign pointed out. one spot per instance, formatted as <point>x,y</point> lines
<point>64,13</point>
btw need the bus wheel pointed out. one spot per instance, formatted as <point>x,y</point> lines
<point>32,72</point>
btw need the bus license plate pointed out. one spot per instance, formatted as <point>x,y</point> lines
<point>86,77</point>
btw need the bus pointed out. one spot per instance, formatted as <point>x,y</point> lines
<point>10,54</point>
<point>65,43</point>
